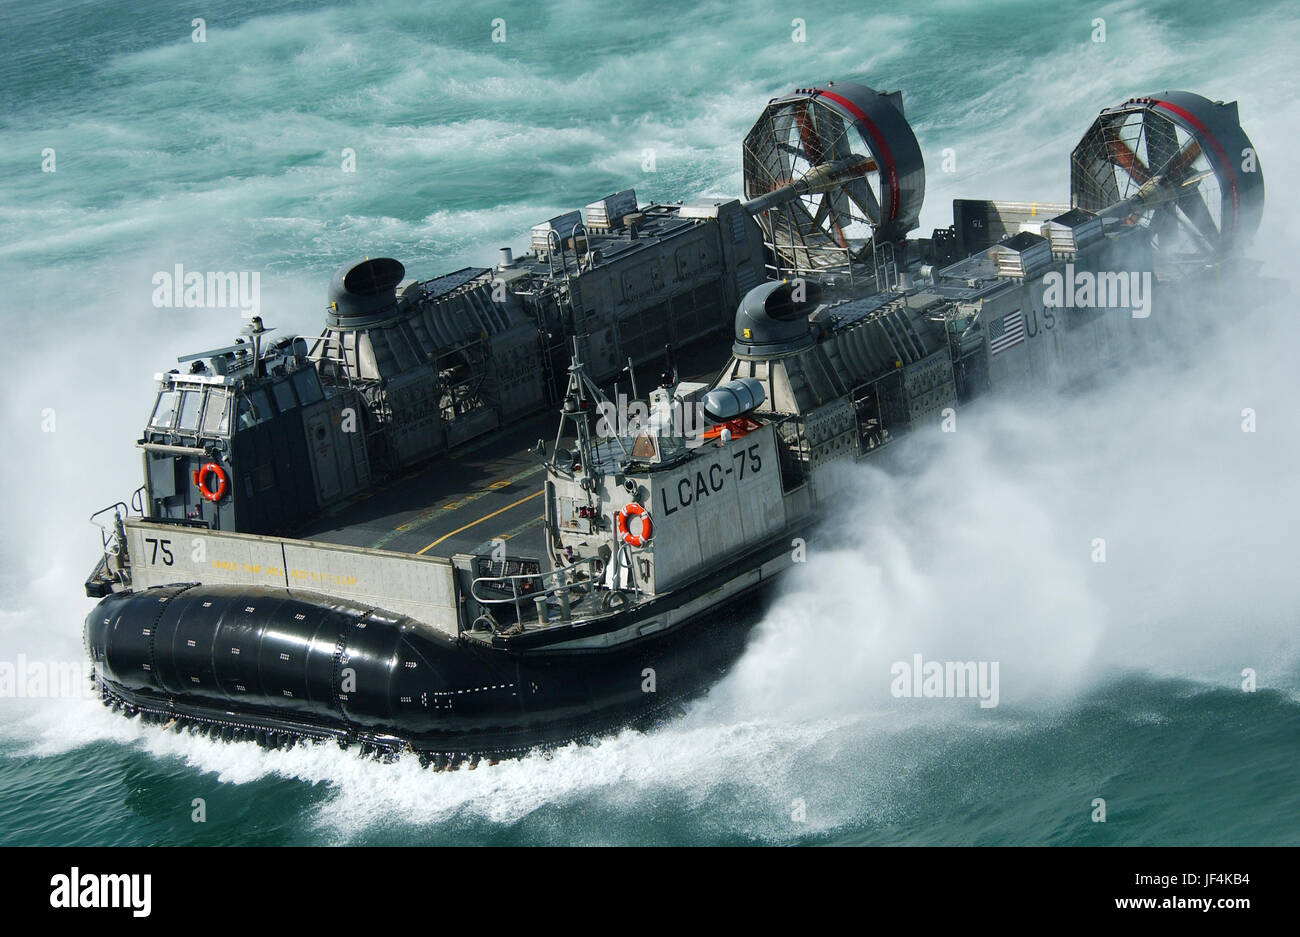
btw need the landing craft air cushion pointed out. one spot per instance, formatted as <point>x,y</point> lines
<point>361,536</point>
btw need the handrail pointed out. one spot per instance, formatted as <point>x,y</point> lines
<point>111,535</point>
<point>559,588</point>
<point>111,532</point>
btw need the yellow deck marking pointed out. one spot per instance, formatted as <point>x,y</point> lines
<point>485,517</point>
<point>432,514</point>
<point>521,528</point>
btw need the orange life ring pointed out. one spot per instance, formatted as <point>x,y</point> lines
<point>624,525</point>
<point>201,482</point>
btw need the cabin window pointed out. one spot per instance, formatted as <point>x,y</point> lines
<point>191,403</point>
<point>164,413</point>
<point>216,418</point>
<point>307,384</point>
<point>253,409</point>
<point>283,391</point>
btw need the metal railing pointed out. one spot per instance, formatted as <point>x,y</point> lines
<point>111,533</point>
<point>534,588</point>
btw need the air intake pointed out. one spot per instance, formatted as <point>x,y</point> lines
<point>1021,256</point>
<point>773,318</point>
<point>364,293</point>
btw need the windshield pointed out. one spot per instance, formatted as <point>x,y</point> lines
<point>216,417</point>
<point>253,409</point>
<point>188,420</point>
<point>164,412</point>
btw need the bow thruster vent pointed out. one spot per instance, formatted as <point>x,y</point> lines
<point>830,171</point>
<point>1177,164</point>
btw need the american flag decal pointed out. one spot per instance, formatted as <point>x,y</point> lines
<point>1006,332</point>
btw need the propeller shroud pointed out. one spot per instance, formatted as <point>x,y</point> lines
<point>1179,165</point>
<point>831,171</point>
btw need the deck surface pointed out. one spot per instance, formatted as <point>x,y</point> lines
<point>482,491</point>
<point>488,489</point>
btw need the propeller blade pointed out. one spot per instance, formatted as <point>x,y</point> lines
<point>818,153</point>
<point>1092,173</point>
<point>1194,208</point>
<point>1183,161</point>
<point>808,136</point>
<point>859,192</point>
<point>823,210</point>
<point>1127,160</point>
<point>1195,236</point>
<point>1164,222</point>
<point>1161,140</point>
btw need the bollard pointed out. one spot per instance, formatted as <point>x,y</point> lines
<point>564,597</point>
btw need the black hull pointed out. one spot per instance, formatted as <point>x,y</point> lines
<point>246,663</point>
